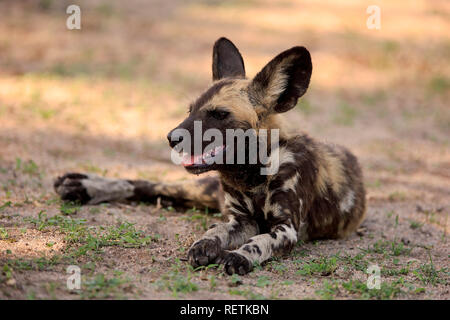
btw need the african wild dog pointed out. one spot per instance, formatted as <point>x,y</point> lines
<point>317,192</point>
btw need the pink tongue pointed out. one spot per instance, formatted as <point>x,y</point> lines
<point>189,160</point>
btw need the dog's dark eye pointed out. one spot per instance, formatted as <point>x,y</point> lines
<point>218,114</point>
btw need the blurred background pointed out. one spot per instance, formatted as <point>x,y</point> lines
<point>102,99</point>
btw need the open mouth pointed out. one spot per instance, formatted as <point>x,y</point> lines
<point>205,159</point>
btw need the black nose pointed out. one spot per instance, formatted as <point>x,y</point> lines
<point>172,142</point>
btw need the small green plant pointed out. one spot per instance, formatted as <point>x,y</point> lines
<point>198,216</point>
<point>257,266</point>
<point>101,286</point>
<point>378,247</point>
<point>69,208</point>
<point>3,233</point>
<point>397,196</point>
<point>65,224</point>
<point>92,239</point>
<point>28,167</point>
<point>263,281</point>
<point>357,261</point>
<point>169,209</point>
<point>323,266</point>
<point>398,248</point>
<point>212,282</point>
<point>37,264</point>
<point>415,225</point>
<point>393,248</point>
<point>247,293</point>
<point>6,272</point>
<point>278,267</point>
<point>386,291</point>
<point>439,84</point>
<point>389,214</point>
<point>328,290</point>
<point>394,272</point>
<point>428,274</point>
<point>7,204</point>
<point>176,281</point>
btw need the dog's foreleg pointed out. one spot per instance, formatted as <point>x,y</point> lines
<point>210,248</point>
<point>260,248</point>
<point>282,210</point>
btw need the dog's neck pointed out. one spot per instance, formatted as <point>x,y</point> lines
<point>246,177</point>
<point>243,177</point>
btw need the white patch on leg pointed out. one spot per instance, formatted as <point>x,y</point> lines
<point>265,243</point>
<point>106,189</point>
<point>347,203</point>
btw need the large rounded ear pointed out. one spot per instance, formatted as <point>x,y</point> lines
<point>283,80</point>
<point>227,61</point>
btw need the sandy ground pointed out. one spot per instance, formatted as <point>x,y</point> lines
<point>103,98</point>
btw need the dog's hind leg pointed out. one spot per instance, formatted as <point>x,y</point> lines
<point>199,193</point>
<point>92,189</point>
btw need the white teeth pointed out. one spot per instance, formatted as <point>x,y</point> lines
<point>202,158</point>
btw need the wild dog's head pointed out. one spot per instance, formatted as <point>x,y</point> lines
<point>235,102</point>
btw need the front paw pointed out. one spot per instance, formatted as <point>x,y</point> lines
<point>71,188</point>
<point>236,263</point>
<point>204,252</point>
